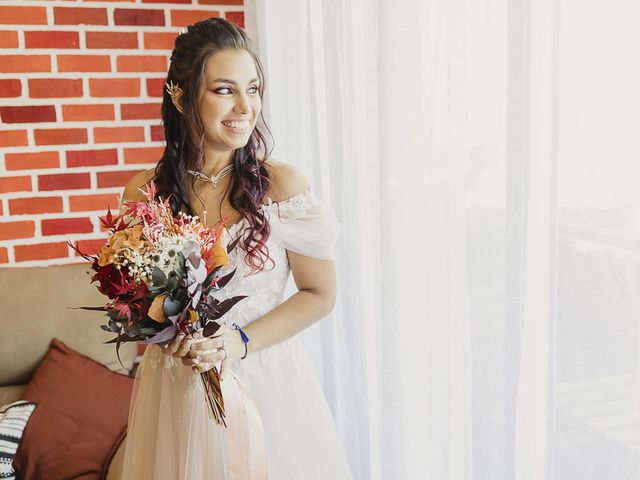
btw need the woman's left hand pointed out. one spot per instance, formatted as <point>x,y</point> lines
<point>206,352</point>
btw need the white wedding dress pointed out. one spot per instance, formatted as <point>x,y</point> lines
<point>170,434</point>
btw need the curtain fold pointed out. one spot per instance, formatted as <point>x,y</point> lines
<point>483,168</point>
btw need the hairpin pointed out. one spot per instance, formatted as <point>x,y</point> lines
<point>174,90</point>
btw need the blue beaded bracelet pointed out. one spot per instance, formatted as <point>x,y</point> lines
<point>245,339</point>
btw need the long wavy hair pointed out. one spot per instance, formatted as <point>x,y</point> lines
<point>250,180</point>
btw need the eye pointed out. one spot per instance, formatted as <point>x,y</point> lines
<point>255,88</point>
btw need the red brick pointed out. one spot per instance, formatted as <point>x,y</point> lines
<point>221,2</point>
<point>89,247</point>
<point>51,39</point>
<point>23,15</point>
<point>235,17</point>
<point>15,184</point>
<point>143,155</point>
<point>136,111</point>
<point>159,40</point>
<point>182,18</point>
<point>28,114</point>
<point>60,136</point>
<point>157,133</point>
<point>29,161</point>
<point>8,39</point>
<point>112,40</point>
<point>118,134</point>
<point>167,1</point>
<point>63,181</point>
<point>55,88</point>
<point>84,63</point>
<point>41,251</point>
<point>134,16</point>
<point>13,138</point>
<point>87,112</point>
<point>4,256</point>
<point>62,226</point>
<point>155,87</point>
<point>84,203</point>
<point>141,63</point>
<point>90,158</point>
<point>33,205</point>
<point>114,87</point>
<point>115,179</point>
<point>11,230</point>
<point>80,16</point>
<point>10,88</point>
<point>25,63</point>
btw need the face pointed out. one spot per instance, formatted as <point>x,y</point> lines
<point>229,99</point>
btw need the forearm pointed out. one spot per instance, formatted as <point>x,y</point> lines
<point>290,317</point>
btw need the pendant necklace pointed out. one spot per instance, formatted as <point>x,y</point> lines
<point>214,179</point>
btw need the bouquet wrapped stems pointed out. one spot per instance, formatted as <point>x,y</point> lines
<point>211,380</point>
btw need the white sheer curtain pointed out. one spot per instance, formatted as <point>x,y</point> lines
<point>483,161</point>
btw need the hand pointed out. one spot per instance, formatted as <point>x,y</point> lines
<point>205,352</point>
<point>179,347</point>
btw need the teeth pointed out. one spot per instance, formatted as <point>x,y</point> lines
<point>237,125</point>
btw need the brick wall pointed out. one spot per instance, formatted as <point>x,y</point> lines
<point>80,92</point>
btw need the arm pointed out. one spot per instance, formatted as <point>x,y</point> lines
<point>316,282</point>
<point>314,278</point>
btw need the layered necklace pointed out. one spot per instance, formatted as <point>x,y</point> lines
<point>214,179</point>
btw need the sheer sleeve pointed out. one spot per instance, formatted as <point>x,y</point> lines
<point>304,225</point>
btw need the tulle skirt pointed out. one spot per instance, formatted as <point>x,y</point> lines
<point>279,425</point>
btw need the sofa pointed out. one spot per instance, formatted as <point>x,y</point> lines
<point>34,310</point>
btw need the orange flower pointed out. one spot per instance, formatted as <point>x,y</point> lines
<point>156,312</point>
<point>127,239</point>
<point>217,255</point>
<point>193,316</point>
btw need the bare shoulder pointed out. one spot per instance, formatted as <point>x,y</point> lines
<point>286,180</point>
<point>131,192</point>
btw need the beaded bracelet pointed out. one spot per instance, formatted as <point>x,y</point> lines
<point>245,339</point>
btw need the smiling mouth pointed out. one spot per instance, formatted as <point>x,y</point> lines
<point>237,126</point>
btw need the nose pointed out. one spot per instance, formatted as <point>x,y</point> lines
<point>242,104</point>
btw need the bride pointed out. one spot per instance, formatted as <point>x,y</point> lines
<point>215,166</point>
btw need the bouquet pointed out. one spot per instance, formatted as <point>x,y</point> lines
<point>159,272</point>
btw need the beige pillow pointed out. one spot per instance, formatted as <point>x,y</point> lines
<point>33,310</point>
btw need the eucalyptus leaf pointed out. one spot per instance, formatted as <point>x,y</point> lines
<point>172,283</point>
<point>158,277</point>
<point>171,306</point>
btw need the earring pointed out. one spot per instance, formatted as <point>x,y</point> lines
<point>176,92</point>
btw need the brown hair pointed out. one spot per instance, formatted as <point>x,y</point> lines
<point>250,182</point>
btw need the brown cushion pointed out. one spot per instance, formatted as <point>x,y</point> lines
<point>81,416</point>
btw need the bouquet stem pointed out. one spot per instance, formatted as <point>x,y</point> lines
<point>211,380</point>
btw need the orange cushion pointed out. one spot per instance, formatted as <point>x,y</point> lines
<point>81,417</point>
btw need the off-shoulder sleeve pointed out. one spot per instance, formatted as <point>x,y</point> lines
<point>304,225</point>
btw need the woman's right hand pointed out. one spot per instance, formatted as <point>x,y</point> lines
<point>179,347</point>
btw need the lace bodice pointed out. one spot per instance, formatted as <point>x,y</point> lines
<point>300,224</point>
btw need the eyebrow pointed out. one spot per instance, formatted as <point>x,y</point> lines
<point>226,80</point>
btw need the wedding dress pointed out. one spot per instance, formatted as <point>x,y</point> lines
<point>279,424</point>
